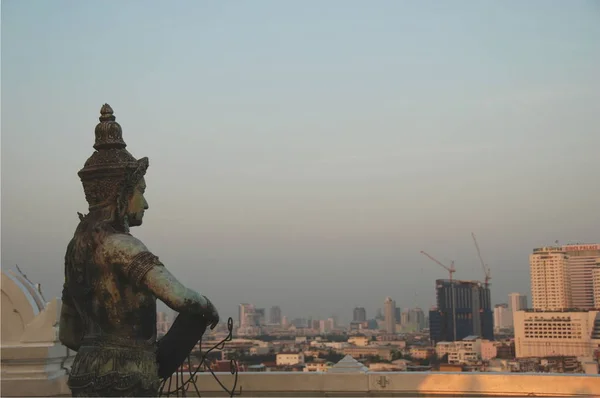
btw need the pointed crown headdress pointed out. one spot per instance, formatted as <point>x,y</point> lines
<point>111,173</point>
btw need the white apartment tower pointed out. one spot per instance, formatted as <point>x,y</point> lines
<point>502,317</point>
<point>582,260</point>
<point>550,287</point>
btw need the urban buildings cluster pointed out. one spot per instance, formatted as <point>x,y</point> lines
<point>559,332</point>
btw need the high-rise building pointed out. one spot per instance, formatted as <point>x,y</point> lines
<point>416,316</point>
<point>398,315</point>
<point>390,315</point>
<point>463,309</point>
<point>404,318</point>
<point>245,314</point>
<point>259,317</point>
<point>517,302</point>
<point>323,327</point>
<point>581,261</point>
<point>275,315</point>
<point>331,323</point>
<point>596,285</point>
<point>562,277</point>
<point>502,317</point>
<point>162,323</point>
<point>550,288</point>
<point>359,314</point>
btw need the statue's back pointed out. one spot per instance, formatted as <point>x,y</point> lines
<point>112,282</point>
<point>118,345</point>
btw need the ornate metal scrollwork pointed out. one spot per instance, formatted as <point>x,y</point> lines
<point>182,386</point>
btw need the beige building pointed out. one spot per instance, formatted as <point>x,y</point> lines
<point>550,286</point>
<point>390,315</point>
<point>582,260</point>
<point>560,333</point>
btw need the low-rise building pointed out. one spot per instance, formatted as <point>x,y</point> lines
<point>289,359</point>
<point>489,350</point>
<point>369,351</point>
<point>361,341</point>
<point>259,350</point>
<point>396,366</point>
<point>470,350</point>
<point>394,344</point>
<point>505,349</point>
<point>557,333</point>
<point>317,366</point>
<point>421,352</point>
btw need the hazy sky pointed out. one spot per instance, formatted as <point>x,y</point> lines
<point>303,153</point>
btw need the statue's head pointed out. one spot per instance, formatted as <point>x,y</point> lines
<point>113,180</point>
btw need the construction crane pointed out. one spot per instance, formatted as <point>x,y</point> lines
<point>450,269</point>
<point>486,269</point>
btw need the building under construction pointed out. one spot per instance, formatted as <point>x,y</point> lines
<point>463,309</point>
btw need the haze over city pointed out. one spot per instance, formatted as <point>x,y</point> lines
<point>303,156</point>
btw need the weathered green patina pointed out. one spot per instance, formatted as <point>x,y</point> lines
<point>112,280</point>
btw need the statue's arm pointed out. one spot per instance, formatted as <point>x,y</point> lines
<point>70,330</point>
<point>143,268</point>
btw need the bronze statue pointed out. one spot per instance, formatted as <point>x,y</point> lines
<point>112,282</point>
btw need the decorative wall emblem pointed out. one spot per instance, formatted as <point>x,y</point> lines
<point>383,381</point>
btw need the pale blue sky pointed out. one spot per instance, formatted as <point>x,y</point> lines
<point>303,153</point>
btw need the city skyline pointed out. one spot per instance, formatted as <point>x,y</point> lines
<point>304,159</point>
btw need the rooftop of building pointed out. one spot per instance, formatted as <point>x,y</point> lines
<point>459,282</point>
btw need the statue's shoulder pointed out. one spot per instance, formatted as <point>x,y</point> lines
<point>121,248</point>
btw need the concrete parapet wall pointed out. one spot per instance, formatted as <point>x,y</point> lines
<point>303,384</point>
<point>405,383</point>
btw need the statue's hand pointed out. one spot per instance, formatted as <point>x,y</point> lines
<point>211,314</point>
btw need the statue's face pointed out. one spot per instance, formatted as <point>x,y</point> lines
<point>137,205</point>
